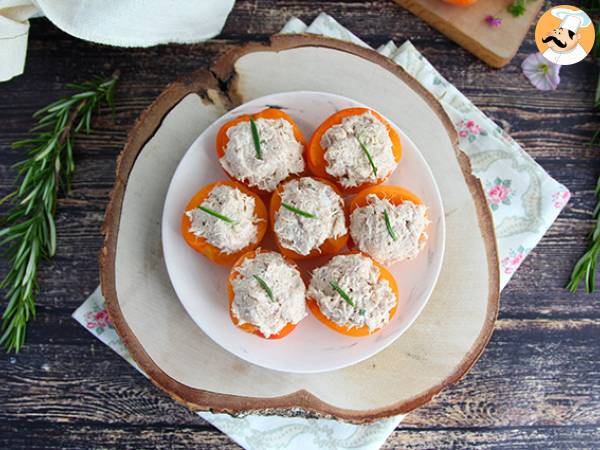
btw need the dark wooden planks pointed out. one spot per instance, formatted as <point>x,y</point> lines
<point>535,372</point>
<point>537,383</point>
<point>69,437</point>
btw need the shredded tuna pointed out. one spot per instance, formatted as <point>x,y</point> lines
<point>253,305</point>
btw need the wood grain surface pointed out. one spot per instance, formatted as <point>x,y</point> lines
<point>537,384</point>
<point>466,26</point>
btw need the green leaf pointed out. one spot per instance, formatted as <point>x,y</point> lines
<point>216,214</point>
<point>298,211</point>
<point>256,138</point>
<point>343,294</point>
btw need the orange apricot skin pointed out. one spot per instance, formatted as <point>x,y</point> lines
<point>331,246</point>
<point>210,251</point>
<point>317,164</point>
<point>248,327</point>
<point>385,274</point>
<point>269,113</point>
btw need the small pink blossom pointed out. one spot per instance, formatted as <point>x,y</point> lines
<point>473,127</point>
<point>507,266</point>
<point>492,21</point>
<point>518,259</point>
<point>542,73</point>
<point>470,130</point>
<point>498,193</point>
<point>98,319</point>
<point>515,258</point>
<point>560,199</point>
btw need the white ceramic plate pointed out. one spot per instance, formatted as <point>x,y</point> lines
<point>311,347</point>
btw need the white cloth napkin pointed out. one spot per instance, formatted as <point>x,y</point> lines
<point>524,199</point>
<point>125,23</point>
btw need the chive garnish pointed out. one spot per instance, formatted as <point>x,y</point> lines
<point>256,138</point>
<point>298,211</point>
<point>265,286</point>
<point>366,151</point>
<point>340,291</point>
<point>216,214</point>
<point>388,224</point>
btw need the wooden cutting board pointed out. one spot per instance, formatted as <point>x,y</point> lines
<point>467,26</point>
<point>436,351</point>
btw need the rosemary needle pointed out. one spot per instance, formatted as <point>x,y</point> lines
<point>264,285</point>
<point>216,214</point>
<point>366,152</point>
<point>388,224</point>
<point>340,291</point>
<point>256,138</point>
<point>298,211</point>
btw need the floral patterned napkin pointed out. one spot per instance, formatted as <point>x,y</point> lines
<point>524,200</point>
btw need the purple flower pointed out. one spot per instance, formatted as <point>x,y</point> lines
<point>493,21</point>
<point>542,73</point>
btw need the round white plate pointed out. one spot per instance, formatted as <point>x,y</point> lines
<point>311,347</point>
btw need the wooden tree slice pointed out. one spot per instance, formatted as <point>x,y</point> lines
<point>436,351</point>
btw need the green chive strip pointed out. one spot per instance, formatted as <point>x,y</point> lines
<point>265,286</point>
<point>216,214</point>
<point>340,291</point>
<point>256,138</point>
<point>298,211</point>
<point>366,151</point>
<point>388,224</point>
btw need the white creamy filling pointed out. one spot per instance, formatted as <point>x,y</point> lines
<point>358,277</point>
<point>369,230</point>
<point>281,153</point>
<point>303,234</point>
<point>234,204</point>
<point>251,303</point>
<point>346,159</point>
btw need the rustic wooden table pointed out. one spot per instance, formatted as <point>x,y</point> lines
<point>537,384</point>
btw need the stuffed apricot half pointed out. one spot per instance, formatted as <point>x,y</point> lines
<point>388,223</point>
<point>353,295</point>
<point>261,150</point>
<point>308,218</point>
<point>355,148</point>
<point>266,294</point>
<point>223,220</point>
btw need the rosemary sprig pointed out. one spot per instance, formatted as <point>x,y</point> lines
<point>388,224</point>
<point>585,268</point>
<point>256,138</point>
<point>366,152</point>
<point>216,214</point>
<point>298,211</point>
<point>263,284</point>
<point>29,230</point>
<point>342,293</point>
